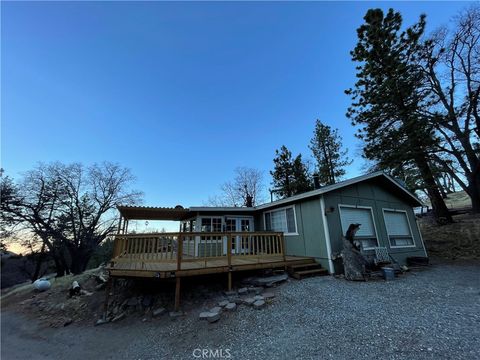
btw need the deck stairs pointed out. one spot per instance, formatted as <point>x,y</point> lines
<point>306,268</point>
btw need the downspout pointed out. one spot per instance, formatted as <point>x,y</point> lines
<point>326,230</point>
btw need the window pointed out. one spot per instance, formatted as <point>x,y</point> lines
<point>281,220</point>
<point>398,228</point>
<point>211,225</point>
<point>363,216</point>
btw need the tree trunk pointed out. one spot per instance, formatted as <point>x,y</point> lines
<point>440,210</point>
<point>80,258</point>
<point>474,192</point>
<point>38,263</point>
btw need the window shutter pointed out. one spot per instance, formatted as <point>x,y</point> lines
<point>397,223</point>
<point>358,216</point>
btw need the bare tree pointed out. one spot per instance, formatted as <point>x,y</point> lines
<point>452,66</point>
<point>70,208</point>
<point>245,189</point>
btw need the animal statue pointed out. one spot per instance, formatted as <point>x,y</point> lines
<point>354,264</point>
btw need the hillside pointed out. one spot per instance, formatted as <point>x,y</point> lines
<point>460,240</point>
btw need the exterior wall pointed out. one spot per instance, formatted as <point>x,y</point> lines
<point>374,196</point>
<point>310,240</point>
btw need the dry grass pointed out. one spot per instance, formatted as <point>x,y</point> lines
<point>460,240</point>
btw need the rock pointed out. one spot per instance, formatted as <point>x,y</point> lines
<point>119,317</point>
<point>248,301</point>
<point>230,293</point>
<point>268,295</point>
<point>259,304</point>
<point>42,285</point>
<point>176,314</point>
<point>101,279</point>
<point>213,317</point>
<point>237,300</point>
<point>216,309</point>
<point>230,306</point>
<point>258,297</point>
<point>68,321</point>
<point>242,291</point>
<point>204,315</point>
<point>86,293</point>
<point>101,322</point>
<point>257,290</point>
<point>159,311</point>
<point>223,303</point>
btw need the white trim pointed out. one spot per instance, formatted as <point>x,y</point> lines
<point>373,221</point>
<point>421,237</point>
<point>286,220</point>
<point>326,230</point>
<point>409,227</point>
<point>336,186</point>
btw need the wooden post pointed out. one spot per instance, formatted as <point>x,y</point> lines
<point>119,224</point>
<point>229,249</point>
<point>283,247</point>
<point>229,281</point>
<point>179,251</point>
<point>177,294</point>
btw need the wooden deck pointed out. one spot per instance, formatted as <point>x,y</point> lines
<point>167,255</point>
<point>200,267</point>
<point>178,255</point>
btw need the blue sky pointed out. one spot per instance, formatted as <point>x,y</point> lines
<point>181,93</point>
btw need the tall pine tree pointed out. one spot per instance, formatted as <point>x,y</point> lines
<point>387,98</point>
<point>290,176</point>
<point>326,146</point>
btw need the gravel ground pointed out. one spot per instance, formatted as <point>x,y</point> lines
<point>429,314</point>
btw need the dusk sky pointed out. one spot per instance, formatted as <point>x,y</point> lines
<point>180,93</point>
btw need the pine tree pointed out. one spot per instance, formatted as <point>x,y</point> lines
<point>326,146</point>
<point>387,98</point>
<point>290,176</point>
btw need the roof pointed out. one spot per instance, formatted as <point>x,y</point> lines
<point>387,179</point>
<point>179,213</point>
<point>153,213</point>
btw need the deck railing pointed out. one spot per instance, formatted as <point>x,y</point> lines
<point>194,246</point>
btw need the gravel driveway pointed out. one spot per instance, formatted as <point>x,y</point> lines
<point>428,314</point>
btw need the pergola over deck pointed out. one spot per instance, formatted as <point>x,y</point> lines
<point>128,213</point>
<point>181,254</point>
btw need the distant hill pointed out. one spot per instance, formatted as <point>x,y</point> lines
<point>458,199</point>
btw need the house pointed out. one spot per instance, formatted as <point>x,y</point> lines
<point>301,229</point>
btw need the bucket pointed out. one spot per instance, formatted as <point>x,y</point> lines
<point>388,273</point>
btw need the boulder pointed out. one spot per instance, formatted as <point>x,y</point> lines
<point>242,291</point>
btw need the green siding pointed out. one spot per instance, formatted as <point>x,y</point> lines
<point>310,240</point>
<point>371,195</point>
